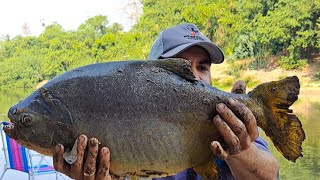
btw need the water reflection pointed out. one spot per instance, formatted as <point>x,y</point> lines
<point>307,108</point>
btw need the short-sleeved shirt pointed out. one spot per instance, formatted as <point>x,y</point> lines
<point>190,174</point>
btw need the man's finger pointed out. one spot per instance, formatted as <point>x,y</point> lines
<point>89,169</point>
<point>246,116</point>
<point>104,164</point>
<point>58,162</point>
<point>218,151</point>
<point>233,122</point>
<point>228,135</point>
<point>76,167</point>
<point>239,87</point>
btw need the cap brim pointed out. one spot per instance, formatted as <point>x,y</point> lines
<point>215,53</point>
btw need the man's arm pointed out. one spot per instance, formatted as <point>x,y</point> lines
<point>253,163</point>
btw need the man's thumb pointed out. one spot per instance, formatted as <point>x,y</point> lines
<point>239,87</point>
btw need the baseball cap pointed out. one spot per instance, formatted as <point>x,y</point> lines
<point>178,38</point>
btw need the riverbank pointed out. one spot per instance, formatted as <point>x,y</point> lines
<point>225,74</point>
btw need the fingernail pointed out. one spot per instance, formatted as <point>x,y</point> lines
<point>213,144</point>
<point>215,148</point>
<point>81,139</point>
<point>58,148</point>
<point>93,142</point>
<point>216,118</point>
<point>231,101</point>
<point>105,150</point>
<point>220,106</point>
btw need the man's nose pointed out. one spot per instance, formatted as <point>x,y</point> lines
<point>197,77</point>
<point>196,73</point>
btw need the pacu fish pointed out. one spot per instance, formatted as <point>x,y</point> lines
<point>153,115</point>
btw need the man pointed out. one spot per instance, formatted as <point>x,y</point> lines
<point>246,155</point>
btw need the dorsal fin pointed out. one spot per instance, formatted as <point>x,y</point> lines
<point>178,66</point>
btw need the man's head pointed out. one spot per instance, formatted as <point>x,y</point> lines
<point>186,41</point>
<point>174,40</point>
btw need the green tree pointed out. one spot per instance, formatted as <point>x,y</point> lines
<point>243,28</point>
<point>291,26</point>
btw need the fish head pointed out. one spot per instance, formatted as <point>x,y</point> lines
<point>39,122</point>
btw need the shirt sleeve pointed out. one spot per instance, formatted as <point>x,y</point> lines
<point>188,174</point>
<point>261,143</point>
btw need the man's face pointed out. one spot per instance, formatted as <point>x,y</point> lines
<point>200,62</point>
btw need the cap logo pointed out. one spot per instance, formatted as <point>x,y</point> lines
<point>194,33</point>
<point>193,30</point>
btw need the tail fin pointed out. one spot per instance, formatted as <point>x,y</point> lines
<point>279,123</point>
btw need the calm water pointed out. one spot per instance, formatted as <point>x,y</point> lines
<point>307,109</point>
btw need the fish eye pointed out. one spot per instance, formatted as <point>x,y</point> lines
<point>25,119</point>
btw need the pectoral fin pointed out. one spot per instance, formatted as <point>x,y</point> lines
<point>208,171</point>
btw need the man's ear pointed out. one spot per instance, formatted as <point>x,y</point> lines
<point>239,87</point>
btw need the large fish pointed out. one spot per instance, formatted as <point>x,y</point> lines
<point>153,115</point>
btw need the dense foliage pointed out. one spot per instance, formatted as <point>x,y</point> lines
<point>245,28</point>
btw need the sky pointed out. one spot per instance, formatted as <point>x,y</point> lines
<point>68,13</point>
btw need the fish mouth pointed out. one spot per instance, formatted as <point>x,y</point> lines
<point>9,126</point>
<point>12,131</point>
<point>9,129</point>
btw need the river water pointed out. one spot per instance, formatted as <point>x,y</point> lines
<point>307,108</point>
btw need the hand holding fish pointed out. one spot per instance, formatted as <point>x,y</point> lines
<point>238,127</point>
<point>237,131</point>
<point>85,166</point>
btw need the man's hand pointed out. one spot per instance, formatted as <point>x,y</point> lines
<point>236,123</point>
<point>87,157</point>
<point>238,127</point>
